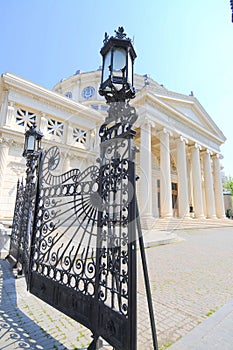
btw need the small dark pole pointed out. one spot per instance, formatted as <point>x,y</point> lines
<point>231,2</point>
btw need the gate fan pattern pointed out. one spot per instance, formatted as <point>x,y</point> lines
<point>66,225</point>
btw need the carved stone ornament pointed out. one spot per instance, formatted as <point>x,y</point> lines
<point>5,141</point>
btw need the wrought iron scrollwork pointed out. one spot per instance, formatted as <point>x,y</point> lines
<point>66,225</point>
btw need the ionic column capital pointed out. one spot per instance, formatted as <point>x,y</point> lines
<point>147,122</point>
<point>164,131</point>
<point>217,156</point>
<point>182,139</point>
<point>195,146</point>
<point>206,152</point>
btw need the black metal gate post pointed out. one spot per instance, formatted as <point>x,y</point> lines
<point>116,277</point>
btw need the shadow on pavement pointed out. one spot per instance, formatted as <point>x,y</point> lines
<point>17,330</point>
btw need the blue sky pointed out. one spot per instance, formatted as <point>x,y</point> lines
<point>184,45</point>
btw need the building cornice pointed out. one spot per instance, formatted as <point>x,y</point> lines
<point>52,97</point>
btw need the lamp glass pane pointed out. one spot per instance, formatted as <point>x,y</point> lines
<point>107,63</point>
<point>130,70</point>
<point>119,59</point>
<point>31,143</point>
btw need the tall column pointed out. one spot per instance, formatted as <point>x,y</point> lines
<point>208,186</point>
<point>4,150</point>
<point>165,175</point>
<point>190,185</point>
<point>183,197</point>
<point>196,176</point>
<point>155,209</point>
<point>218,192</point>
<point>146,171</point>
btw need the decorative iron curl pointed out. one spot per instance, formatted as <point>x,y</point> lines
<point>50,163</point>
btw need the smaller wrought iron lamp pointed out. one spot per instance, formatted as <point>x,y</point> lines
<point>32,144</point>
<point>117,68</point>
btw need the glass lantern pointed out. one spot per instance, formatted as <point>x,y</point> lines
<point>117,69</point>
<point>32,142</point>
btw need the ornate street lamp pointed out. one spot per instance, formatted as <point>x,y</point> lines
<point>32,144</point>
<point>117,68</point>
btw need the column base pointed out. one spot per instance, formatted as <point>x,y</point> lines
<point>212,217</point>
<point>222,217</point>
<point>185,216</point>
<point>148,222</point>
<point>200,217</point>
<point>167,216</point>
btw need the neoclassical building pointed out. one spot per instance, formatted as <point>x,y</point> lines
<point>179,144</point>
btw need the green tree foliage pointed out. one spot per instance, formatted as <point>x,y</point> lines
<point>229,184</point>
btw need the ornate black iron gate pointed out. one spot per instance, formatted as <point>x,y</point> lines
<point>75,233</point>
<point>83,258</point>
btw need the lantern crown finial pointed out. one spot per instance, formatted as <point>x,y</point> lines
<point>120,33</point>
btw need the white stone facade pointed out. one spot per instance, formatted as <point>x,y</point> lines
<point>179,158</point>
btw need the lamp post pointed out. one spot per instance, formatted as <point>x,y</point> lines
<point>32,152</point>
<point>117,149</point>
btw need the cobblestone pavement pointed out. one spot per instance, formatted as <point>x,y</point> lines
<point>190,280</point>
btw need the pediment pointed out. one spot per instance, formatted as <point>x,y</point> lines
<point>186,110</point>
<point>196,113</point>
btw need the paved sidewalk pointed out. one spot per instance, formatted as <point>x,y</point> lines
<point>214,333</point>
<point>190,280</point>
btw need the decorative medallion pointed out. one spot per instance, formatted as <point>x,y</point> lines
<point>88,92</point>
